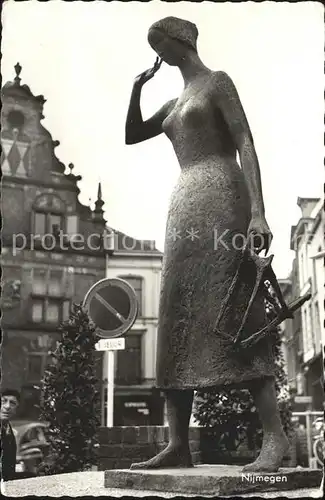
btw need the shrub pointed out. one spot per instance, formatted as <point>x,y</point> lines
<point>70,401</point>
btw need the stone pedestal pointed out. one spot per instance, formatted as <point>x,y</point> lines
<point>218,480</point>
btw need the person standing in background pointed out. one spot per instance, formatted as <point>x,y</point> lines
<point>10,400</point>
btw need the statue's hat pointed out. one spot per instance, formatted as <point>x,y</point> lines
<point>179,29</point>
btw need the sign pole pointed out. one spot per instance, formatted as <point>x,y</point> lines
<point>112,305</point>
<point>110,388</point>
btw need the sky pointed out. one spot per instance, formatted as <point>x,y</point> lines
<point>83,57</point>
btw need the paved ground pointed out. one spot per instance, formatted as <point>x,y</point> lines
<point>91,484</point>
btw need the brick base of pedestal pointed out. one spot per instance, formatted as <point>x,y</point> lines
<point>122,446</point>
<point>217,480</point>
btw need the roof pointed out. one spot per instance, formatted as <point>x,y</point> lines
<point>14,89</point>
<point>313,216</point>
<point>307,205</point>
<point>83,210</point>
<point>127,244</point>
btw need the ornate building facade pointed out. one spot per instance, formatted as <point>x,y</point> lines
<point>52,245</point>
<point>304,336</point>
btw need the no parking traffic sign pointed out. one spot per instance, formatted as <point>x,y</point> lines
<point>112,305</point>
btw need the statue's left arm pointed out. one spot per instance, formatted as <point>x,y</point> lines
<point>228,101</point>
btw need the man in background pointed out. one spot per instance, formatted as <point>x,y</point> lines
<point>9,404</point>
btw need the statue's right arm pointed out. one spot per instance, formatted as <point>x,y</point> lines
<point>137,130</point>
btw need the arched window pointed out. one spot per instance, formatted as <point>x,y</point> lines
<point>137,284</point>
<point>49,211</point>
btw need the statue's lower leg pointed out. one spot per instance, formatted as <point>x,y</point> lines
<point>177,453</point>
<point>275,443</point>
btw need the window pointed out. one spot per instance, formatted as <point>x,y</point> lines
<point>55,283</point>
<point>302,270</point>
<point>300,384</point>
<point>72,225</point>
<point>49,213</point>
<point>137,284</point>
<point>37,362</point>
<point>311,325</point>
<point>40,223</point>
<point>317,320</point>
<point>50,311</point>
<point>305,330</point>
<point>49,303</point>
<point>129,361</point>
<point>39,285</point>
<point>56,222</point>
<point>37,311</point>
<point>109,239</point>
<point>48,282</point>
<point>47,223</point>
<point>66,309</point>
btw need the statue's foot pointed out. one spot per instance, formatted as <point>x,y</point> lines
<point>172,456</point>
<point>273,450</point>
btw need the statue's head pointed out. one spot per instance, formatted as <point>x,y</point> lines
<point>172,38</point>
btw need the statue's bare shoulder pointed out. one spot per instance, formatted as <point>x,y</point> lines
<point>223,85</point>
<point>226,98</point>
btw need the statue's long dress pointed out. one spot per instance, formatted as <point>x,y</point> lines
<point>209,200</point>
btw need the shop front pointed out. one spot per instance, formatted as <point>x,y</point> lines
<point>136,406</point>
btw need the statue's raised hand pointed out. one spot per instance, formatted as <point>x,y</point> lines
<point>149,73</point>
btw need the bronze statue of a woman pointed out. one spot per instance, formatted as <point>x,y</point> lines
<point>213,208</point>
